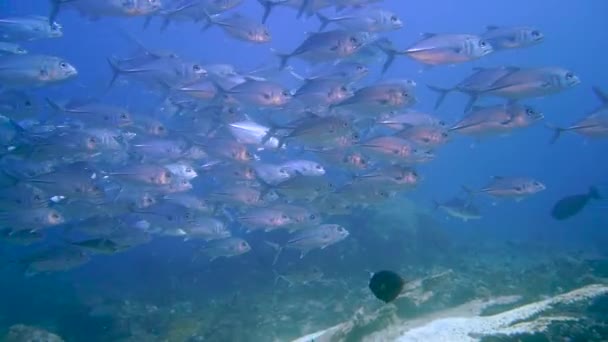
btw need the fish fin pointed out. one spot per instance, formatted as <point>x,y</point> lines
<point>55,106</point>
<point>471,103</point>
<point>594,193</point>
<point>116,71</point>
<point>283,58</point>
<point>268,6</point>
<point>557,132</point>
<point>278,248</point>
<point>427,35</point>
<point>303,7</point>
<point>436,205</point>
<point>441,94</point>
<point>304,252</point>
<point>55,8</point>
<point>601,95</point>
<point>467,190</point>
<point>324,21</point>
<point>492,27</point>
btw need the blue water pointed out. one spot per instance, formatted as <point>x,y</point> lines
<point>163,274</point>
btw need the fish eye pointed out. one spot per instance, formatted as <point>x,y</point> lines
<point>318,167</point>
<point>196,67</point>
<point>482,43</point>
<point>360,67</point>
<point>243,244</point>
<point>54,216</point>
<point>312,216</point>
<point>529,111</point>
<point>444,134</point>
<point>569,75</point>
<point>286,93</point>
<point>535,33</point>
<point>266,96</point>
<point>63,65</point>
<point>442,123</point>
<point>405,94</point>
<point>354,40</point>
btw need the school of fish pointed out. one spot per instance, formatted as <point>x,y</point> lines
<point>230,153</point>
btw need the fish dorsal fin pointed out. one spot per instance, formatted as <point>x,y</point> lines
<point>492,27</point>
<point>427,35</point>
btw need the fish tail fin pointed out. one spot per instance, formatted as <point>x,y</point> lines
<point>147,22</point>
<point>602,96</point>
<point>471,102</point>
<point>116,71</point>
<point>55,8</point>
<point>436,205</point>
<point>54,105</point>
<point>441,94</point>
<point>165,23</point>
<point>268,6</point>
<point>594,193</point>
<point>210,20</point>
<point>324,21</point>
<point>390,58</point>
<point>389,51</point>
<point>303,7</point>
<point>283,59</point>
<point>470,192</point>
<point>557,132</point>
<point>278,248</point>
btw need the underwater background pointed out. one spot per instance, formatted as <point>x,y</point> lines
<point>165,289</point>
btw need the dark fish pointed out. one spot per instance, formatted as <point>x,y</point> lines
<point>386,285</point>
<point>572,205</point>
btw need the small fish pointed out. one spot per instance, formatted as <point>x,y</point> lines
<point>494,120</point>
<point>225,248</point>
<point>459,208</point>
<point>99,246</point>
<point>570,206</point>
<point>263,94</point>
<point>325,46</point>
<point>383,96</point>
<point>410,119</point>
<point>318,237</point>
<point>365,20</point>
<point>532,82</point>
<point>594,125</point>
<point>510,187</point>
<point>502,38</point>
<point>265,219</point>
<point>208,229</point>
<point>94,9</point>
<point>28,28</point>
<point>7,48</point>
<point>473,85</point>
<point>34,70</point>
<point>303,167</point>
<point>55,259</point>
<point>21,237</point>
<point>242,28</point>
<point>437,49</point>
